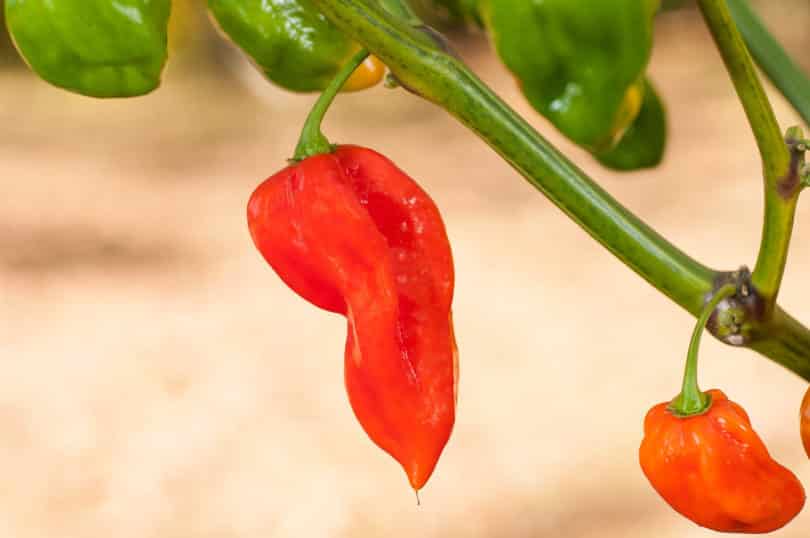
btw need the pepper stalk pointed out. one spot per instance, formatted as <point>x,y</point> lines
<point>312,140</point>
<point>692,401</point>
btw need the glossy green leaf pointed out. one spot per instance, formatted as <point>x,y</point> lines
<point>99,48</point>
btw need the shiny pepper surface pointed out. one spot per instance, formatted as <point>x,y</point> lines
<point>99,48</point>
<point>293,43</point>
<point>351,233</point>
<point>642,144</point>
<point>714,469</point>
<point>580,63</point>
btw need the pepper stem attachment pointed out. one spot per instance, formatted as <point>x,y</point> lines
<point>312,141</point>
<point>691,401</point>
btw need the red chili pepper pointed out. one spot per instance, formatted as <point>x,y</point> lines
<point>714,469</point>
<point>351,233</point>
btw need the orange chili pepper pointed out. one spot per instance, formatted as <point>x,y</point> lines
<point>368,74</point>
<point>805,422</point>
<point>714,469</point>
<point>351,233</point>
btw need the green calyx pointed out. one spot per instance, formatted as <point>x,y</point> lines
<point>293,44</point>
<point>312,141</point>
<point>98,48</point>
<point>692,401</point>
<point>581,64</point>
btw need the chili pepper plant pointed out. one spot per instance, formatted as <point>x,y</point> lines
<point>351,233</point>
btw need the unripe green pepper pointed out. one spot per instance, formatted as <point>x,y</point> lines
<point>99,48</point>
<point>580,63</point>
<point>292,42</point>
<point>643,143</point>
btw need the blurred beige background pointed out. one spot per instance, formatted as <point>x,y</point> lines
<point>157,380</point>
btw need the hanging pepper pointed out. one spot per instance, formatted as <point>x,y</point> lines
<point>714,469</point>
<point>701,454</point>
<point>351,233</point>
<point>581,64</point>
<point>293,43</point>
<point>99,48</point>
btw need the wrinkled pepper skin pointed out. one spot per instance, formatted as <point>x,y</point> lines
<point>98,48</point>
<point>351,233</point>
<point>292,43</point>
<point>644,141</point>
<point>714,469</point>
<point>580,63</point>
<point>805,422</point>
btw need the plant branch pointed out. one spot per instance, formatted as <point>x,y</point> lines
<point>427,69</point>
<point>781,186</point>
<point>772,58</point>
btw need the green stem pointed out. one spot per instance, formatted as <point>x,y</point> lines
<point>749,88</point>
<point>402,10</point>
<point>691,400</point>
<point>312,140</point>
<point>780,202</point>
<point>425,69</point>
<point>786,341</point>
<point>785,74</point>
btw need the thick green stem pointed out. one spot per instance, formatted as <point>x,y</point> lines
<point>691,400</point>
<point>780,192</point>
<point>422,66</point>
<point>442,78</point>
<point>786,341</point>
<point>772,58</point>
<point>312,141</point>
<point>401,9</point>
